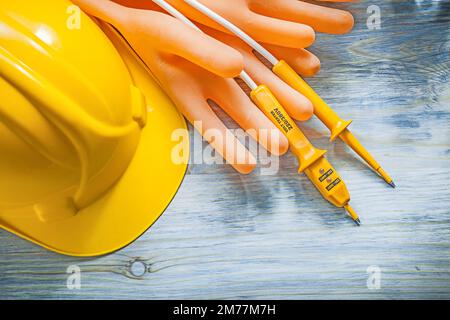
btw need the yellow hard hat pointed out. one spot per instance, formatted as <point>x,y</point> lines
<point>85,133</point>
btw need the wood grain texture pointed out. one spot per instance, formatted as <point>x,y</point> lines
<point>230,236</point>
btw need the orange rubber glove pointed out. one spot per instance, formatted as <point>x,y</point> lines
<point>297,106</point>
<point>192,67</point>
<point>287,23</point>
<point>285,27</point>
<point>304,62</point>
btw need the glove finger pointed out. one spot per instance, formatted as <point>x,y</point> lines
<point>173,36</point>
<point>303,61</point>
<point>213,130</point>
<point>233,100</point>
<point>139,4</point>
<point>320,18</point>
<point>146,28</point>
<point>186,84</point>
<point>277,31</point>
<point>297,105</point>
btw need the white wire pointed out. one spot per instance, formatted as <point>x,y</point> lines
<point>248,80</point>
<point>233,29</point>
<point>177,14</point>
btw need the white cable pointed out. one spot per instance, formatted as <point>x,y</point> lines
<point>177,14</point>
<point>248,80</point>
<point>233,29</point>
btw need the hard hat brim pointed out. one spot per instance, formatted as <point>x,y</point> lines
<point>138,199</point>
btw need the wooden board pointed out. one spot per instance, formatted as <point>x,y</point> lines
<point>230,236</point>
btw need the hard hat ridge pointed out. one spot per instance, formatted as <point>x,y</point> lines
<point>71,123</point>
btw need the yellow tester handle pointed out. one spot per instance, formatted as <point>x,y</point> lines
<point>321,109</point>
<point>306,153</point>
<point>337,125</point>
<point>312,160</point>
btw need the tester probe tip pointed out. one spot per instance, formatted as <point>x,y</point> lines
<point>353,214</point>
<point>386,177</point>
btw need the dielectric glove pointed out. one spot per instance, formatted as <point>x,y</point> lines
<point>194,68</point>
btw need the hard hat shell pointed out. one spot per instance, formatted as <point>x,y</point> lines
<point>85,133</point>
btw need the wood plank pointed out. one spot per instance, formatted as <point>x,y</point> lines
<point>261,236</point>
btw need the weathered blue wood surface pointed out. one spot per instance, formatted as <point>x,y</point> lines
<point>232,236</point>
